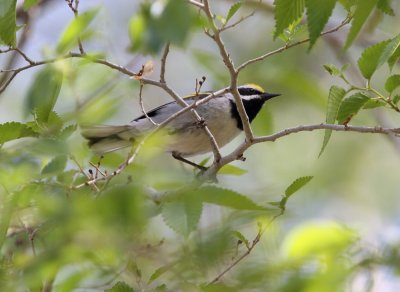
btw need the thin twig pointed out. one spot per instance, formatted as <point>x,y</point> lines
<point>163,63</point>
<point>238,152</point>
<point>288,46</point>
<point>196,3</point>
<point>142,105</point>
<point>75,10</point>
<point>237,22</point>
<point>255,241</point>
<point>93,186</point>
<point>104,62</point>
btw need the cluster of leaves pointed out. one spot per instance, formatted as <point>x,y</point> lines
<point>342,109</point>
<point>289,13</point>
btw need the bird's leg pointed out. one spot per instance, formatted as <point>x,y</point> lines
<point>177,156</point>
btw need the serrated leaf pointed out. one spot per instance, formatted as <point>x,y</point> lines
<point>350,107</point>
<point>13,130</point>
<point>29,3</point>
<point>226,198</point>
<point>370,58</point>
<point>336,95</point>
<point>184,214</point>
<point>120,287</point>
<point>392,83</point>
<point>286,13</point>
<point>74,30</point>
<point>389,50</point>
<point>8,25</point>
<point>241,237</point>
<point>317,16</point>
<point>232,10</point>
<point>363,10</point>
<point>56,165</point>
<point>50,124</point>
<point>157,273</point>
<point>384,6</point>
<point>44,91</point>
<point>232,170</point>
<point>67,131</point>
<point>297,185</point>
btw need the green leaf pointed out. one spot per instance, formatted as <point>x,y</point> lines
<point>318,239</point>
<point>44,91</point>
<point>374,103</point>
<point>384,6</point>
<point>232,11</point>
<point>336,94</point>
<point>317,16</point>
<point>120,287</point>
<point>49,124</point>
<point>348,4</point>
<point>13,130</point>
<point>350,107</point>
<point>396,98</point>
<point>232,170</point>
<point>226,198</point>
<point>370,58</point>
<point>8,24</point>
<point>363,10</point>
<point>184,214</point>
<point>333,70</point>
<point>394,58</point>
<point>297,185</point>
<point>389,50</point>
<point>286,13</point>
<point>392,83</point>
<point>157,273</point>
<point>75,30</point>
<point>56,165</point>
<point>67,131</point>
<point>172,23</point>
<point>29,3</point>
<point>241,237</point>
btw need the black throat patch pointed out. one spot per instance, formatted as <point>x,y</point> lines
<point>252,108</point>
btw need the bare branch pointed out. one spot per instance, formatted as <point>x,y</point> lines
<point>196,3</point>
<point>288,46</point>
<point>163,63</point>
<point>142,106</point>
<point>104,62</point>
<point>237,22</point>
<point>255,241</point>
<point>74,9</point>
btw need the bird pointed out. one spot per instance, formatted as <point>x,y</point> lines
<point>219,114</point>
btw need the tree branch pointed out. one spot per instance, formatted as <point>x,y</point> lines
<point>288,46</point>
<point>232,71</point>
<point>238,152</point>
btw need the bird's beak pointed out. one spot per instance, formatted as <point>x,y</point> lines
<point>267,96</point>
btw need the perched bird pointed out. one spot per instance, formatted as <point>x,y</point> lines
<point>188,138</point>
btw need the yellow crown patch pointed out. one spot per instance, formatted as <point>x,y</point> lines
<point>255,86</point>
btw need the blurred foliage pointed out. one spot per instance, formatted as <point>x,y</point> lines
<point>150,228</point>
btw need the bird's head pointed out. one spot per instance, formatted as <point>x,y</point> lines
<point>254,91</point>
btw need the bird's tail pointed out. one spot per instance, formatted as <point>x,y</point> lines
<point>103,139</point>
